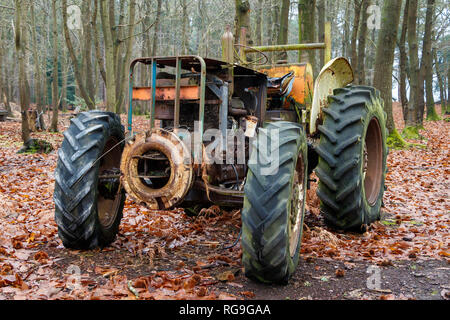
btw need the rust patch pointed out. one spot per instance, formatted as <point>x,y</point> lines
<point>181,170</point>
<point>166,93</point>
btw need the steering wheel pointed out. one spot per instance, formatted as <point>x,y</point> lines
<point>256,62</point>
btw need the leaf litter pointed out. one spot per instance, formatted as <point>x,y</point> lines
<point>171,255</point>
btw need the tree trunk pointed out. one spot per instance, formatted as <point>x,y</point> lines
<point>321,9</point>
<point>155,31</point>
<point>6,98</point>
<point>345,39</point>
<point>403,62</point>
<point>128,43</point>
<point>86,10</point>
<point>3,85</point>
<point>412,119</point>
<point>118,45</point>
<point>385,56</point>
<point>427,58</point>
<point>306,12</point>
<point>184,40</point>
<point>98,52</point>
<point>259,26</point>
<point>37,71</point>
<point>353,54</point>
<point>73,57</point>
<point>440,82</point>
<point>361,68</point>
<point>242,20</point>
<point>275,19</point>
<point>268,28</point>
<point>65,66</point>
<point>448,90</point>
<point>284,26</point>
<point>448,85</point>
<point>109,57</point>
<point>20,45</point>
<point>55,104</point>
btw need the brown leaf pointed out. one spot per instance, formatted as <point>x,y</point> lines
<point>17,244</point>
<point>141,283</point>
<point>340,273</point>
<point>6,269</point>
<point>191,282</point>
<point>41,257</point>
<point>225,276</point>
<point>248,294</point>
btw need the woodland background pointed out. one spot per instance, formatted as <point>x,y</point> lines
<point>65,53</point>
<point>51,63</point>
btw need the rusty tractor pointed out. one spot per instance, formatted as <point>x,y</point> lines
<point>233,134</point>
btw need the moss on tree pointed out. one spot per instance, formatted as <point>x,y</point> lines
<point>412,133</point>
<point>36,146</point>
<point>396,141</point>
<point>432,115</point>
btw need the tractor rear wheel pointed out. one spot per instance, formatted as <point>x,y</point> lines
<point>88,196</point>
<point>352,158</point>
<point>274,206</point>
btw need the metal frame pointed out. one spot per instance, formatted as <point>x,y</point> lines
<point>153,62</point>
<point>326,45</point>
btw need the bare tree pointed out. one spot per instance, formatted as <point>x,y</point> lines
<point>38,85</point>
<point>412,117</point>
<point>361,67</point>
<point>55,81</point>
<point>444,105</point>
<point>403,61</point>
<point>21,44</point>
<point>427,58</point>
<point>73,57</point>
<point>284,25</point>
<point>307,31</point>
<point>356,18</point>
<point>385,56</point>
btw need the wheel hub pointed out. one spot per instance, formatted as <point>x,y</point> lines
<point>109,187</point>
<point>373,161</point>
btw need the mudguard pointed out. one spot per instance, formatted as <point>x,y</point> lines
<point>337,73</point>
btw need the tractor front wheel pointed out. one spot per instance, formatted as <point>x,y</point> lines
<point>88,195</point>
<point>274,204</point>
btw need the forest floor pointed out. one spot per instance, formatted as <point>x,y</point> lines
<point>170,255</point>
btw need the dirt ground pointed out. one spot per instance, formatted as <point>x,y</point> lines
<point>170,255</point>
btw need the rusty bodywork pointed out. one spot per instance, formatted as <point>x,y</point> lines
<point>163,167</point>
<point>188,94</point>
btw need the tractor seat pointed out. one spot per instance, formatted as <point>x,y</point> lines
<point>281,85</point>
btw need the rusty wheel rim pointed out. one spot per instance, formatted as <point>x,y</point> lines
<point>107,208</point>
<point>373,159</point>
<point>297,204</point>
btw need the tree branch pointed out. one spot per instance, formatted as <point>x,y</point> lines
<point>137,34</point>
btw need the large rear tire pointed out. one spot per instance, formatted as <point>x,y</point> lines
<point>88,210</point>
<point>274,206</point>
<point>352,158</point>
